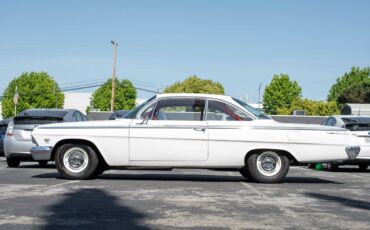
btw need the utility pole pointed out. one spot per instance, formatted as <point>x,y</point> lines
<point>15,100</point>
<point>115,44</point>
<point>259,95</point>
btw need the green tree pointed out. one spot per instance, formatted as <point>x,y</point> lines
<point>311,107</point>
<point>125,96</point>
<point>194,84</point>
<point>35,90</point>
<point>280,93</point>
<point>356,75</point>
<point>356,93</point>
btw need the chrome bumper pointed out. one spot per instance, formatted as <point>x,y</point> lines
<point>40,153</point>
<point>353,151</point>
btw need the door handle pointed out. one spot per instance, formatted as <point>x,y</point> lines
<point>200,129</point>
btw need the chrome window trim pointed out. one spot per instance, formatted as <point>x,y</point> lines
<point>236,106</point>
<point>156,100</point>
<point>244,111</point>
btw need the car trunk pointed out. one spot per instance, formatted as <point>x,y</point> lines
<point>24,125</point>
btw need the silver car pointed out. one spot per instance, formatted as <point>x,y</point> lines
<point>359,126</point>
<point>18,143</point>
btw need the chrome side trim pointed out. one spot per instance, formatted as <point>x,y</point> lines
<point>297,128</point>
<point>85,127</point>
<point>241,141</point>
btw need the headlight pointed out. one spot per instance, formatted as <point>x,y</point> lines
<point>352,151</point>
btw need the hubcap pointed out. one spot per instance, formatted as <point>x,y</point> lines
<point>75,159</point>
<point>269,163</point>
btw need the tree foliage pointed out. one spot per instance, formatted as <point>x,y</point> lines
<point>280,93</point>
<point>311,107</point>
<point>356,93</point>
<point>355,76</point>
<point>35,90</point>
<point>194,84</point>
<point>125,96</point>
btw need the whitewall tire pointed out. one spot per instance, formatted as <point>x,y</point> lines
<point>267,166</point>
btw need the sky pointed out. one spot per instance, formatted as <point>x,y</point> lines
<point>238,43</point>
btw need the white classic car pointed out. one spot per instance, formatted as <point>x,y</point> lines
<point>191,131</point>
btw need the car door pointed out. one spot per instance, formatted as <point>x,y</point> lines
<point>224,125</point>
<point>170,130</point>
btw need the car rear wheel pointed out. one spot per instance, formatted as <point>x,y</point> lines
<point>76,161</point>
<point>267,166</point>
<point>13,162</point>
<point>363,167</point>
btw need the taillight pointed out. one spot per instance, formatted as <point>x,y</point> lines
<point>9,130</point>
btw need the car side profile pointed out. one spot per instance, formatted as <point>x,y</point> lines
<point>190,131</point>
<point>17,141</point>
<point>359,126</point>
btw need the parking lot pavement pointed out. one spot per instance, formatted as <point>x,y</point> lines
<point>36,198</point>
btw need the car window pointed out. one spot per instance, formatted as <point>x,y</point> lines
<point>84,118</point>
<point>182,109</point>
<point>219,111</point>
<point>334,122</point>
<point>74,117</point>
<point>330,122</point>
<point>132,114</point>
<point>147,114</point>
<point>79,116</point>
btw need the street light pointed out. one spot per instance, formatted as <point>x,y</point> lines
<point>115,44</point>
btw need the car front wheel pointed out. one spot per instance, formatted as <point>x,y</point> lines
<point>13,162</point>
<point>267,166</point>
<point>244,172</point>
<point>76,161</point>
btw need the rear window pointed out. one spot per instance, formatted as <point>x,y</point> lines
<point>358,127</point>
<point>36,120</point>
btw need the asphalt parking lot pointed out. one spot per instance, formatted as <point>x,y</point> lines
<point>36,198</point>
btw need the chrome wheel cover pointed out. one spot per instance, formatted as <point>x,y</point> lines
<point>75,160</point>
<point>269,163</point>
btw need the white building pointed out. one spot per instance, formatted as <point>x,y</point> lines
<point>78,101</point>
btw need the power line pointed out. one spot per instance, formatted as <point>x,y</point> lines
<point>66,89</point>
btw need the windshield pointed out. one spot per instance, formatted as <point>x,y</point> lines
<point>255,112</point>
<point>132,114</point>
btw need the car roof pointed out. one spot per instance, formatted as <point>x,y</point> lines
<point>214,96</point>
<point>46,112</point>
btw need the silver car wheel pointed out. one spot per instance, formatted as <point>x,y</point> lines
<point>269,163</point>
<point>75,160</point>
